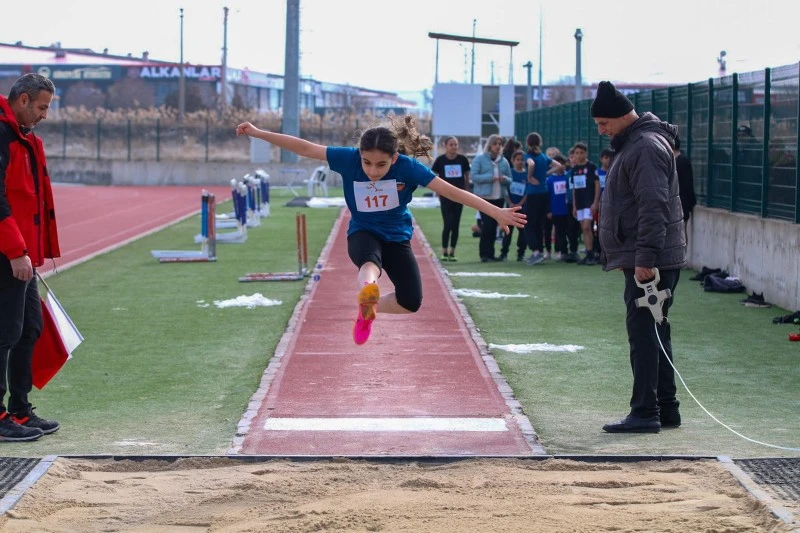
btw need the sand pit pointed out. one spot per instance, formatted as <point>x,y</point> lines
<point>218,494</point>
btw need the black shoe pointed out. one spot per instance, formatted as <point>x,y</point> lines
<point>753,297</point>
<point>10,431</point>
<point>572,257</point>
<point>634,424</point>
<point>503,257</point>
<point>30,420</point>
<point>670,419</point>
<point>520,257</point>
<point>701,276</point>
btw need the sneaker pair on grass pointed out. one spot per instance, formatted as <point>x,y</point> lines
<point>368,298</point>
<point>448,257</point>
<point>25,427</point>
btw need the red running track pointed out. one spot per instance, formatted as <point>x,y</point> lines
<point>95,220</point>
<point>404,393</point>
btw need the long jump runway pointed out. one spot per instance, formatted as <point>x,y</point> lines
<point>423,385</point>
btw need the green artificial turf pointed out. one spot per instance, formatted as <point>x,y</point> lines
<point>163,371</point>
<point>738,364</point>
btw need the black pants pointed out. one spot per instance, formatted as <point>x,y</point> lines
<point>536,211</point>
<point>507,242</point>
<point>451,217</point>
<point>653,377</point>
<point>20,327</point>
<point>396,258</point>
<point>573,230</point>
<point>488,232</point>
<point>560,223</point>
<point>548,234</point>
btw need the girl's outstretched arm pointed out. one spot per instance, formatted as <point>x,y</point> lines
<point>505,217</point>
<point>297,145</point>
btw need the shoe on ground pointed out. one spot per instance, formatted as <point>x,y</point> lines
<point>670,419</point>
<point>634,424</point>
<point>521,257</point>
<point>10,431</point>
<point>535,258</point>
<point>705,271</point>
<point>30,420</point>
<point>368,298</point>
<point>753,297</point>
<point>571,257</point>
<point>453,258</point>
<point>503,257</point>
<point>444,258</point>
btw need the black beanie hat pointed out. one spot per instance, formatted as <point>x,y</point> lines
<point>609,102</point>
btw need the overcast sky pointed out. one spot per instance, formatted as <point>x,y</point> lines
<point>385,45</point>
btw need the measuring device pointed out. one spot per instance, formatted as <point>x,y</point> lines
<point>653,298</point>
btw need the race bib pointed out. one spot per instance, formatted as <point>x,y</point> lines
<point>560,187</point>
<point>517,188</point>
<point>579,181</point>
<point>372,196</point>
<point>453,171</point>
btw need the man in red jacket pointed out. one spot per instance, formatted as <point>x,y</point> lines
<point>28,236</point>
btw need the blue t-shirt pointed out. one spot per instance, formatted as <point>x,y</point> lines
<point>519,185</point>
<point>542,163</point>
<point>379,207</point>
<point>557,187</point>
<point>601,174</point>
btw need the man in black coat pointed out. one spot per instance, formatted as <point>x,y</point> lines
<point>641,229</point>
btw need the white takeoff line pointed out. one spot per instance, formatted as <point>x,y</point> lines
<point>385,424</point>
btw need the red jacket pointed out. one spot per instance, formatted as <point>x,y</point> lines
<point>27,213</point>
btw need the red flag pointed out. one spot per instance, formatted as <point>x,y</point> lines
<point>58,339</point>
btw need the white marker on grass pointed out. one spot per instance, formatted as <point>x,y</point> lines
<point>541,347</point>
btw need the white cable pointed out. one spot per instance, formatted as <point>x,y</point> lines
<point>655,324</point>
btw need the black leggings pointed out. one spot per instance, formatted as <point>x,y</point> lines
<point>396,258</point>
<point>536,210</point>
<point>451,216</point>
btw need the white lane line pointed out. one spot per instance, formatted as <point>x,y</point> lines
<point>385,424</point>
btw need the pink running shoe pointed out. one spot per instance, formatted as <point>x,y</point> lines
<point>368,298</point>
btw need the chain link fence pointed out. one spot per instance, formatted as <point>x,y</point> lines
<point>740,132</point>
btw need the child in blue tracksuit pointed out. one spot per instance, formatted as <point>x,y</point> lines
<point>516,197</point>
<point>557,186</point>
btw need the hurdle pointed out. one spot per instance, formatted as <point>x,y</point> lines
<point>302,258</point>
<point>239,236</point>
<point>208,242</point>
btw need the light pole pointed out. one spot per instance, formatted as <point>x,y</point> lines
<point>224,73</point>
<point>578,83</point>
<point>528,90</point>
<point>181,82</point>
<point>472,72</point>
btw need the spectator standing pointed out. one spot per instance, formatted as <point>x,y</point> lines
<point>557,190</point>
<point>641,226</point>
<point>586,197</point>
<point>491,174</point>
<point>454,169</point>
<point>536,205</point>
<point>686,183</point>
<point>516,198</point>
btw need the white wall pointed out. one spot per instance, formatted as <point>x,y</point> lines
<point>763,253</point>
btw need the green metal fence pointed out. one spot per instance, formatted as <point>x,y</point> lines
<point>740,132</point>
